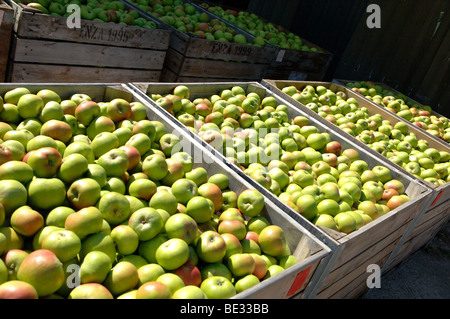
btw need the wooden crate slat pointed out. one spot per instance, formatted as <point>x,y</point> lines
<point>71,53</point>
<point>6,26</point>
<point>26,72</point>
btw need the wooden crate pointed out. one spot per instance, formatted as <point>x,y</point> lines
<point>441,193</point>
<point>6,25</point>
<point>193,59</point>
<point>388,88</point>
<point>289,63</point>
<point>346,274</point>
<point>44,49</point>
<point>311,252</point>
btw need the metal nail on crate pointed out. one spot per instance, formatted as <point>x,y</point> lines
<point>312,253</point>
<point>372,244</point>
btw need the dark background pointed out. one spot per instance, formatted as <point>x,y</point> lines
<point>410,52</point>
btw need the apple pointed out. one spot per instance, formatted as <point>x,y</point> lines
<point>165,200</point>
<point>13,96</point>
<point>115,162</point>
<point>234,227</point>
<point>83,193</point>
<point>65,244</point>
<point>272,240</point>
<point>26,221</point>
<point>153,290</point>
<point>82,148</point>
<point>184,189</point>
<point>181,226</point>
<point>218,287</point>
<point>30,105</point>
<point>118,109</point>
<point>189,292</point>
<point>250,202</point>
<point>173,281</point>
<point>72,168</point>
<point>210,247</point>
<point>115,208</point>
<point>148,272</point>
<point>42,269</point>
<point>57,129</point>
<point>172,254</point>
<point>241,264</point>
<point>16,170</point>
<point>125,239</point>
<point>122,277</point>
<point>86,221</point>
<point>90,291</point>
<point>6,154</point>
<point>16,289</point>
<point>99,241</point>
<point>200,209</point>
<point>345,222</point>
<point>46,193</point>
<point>104,142</point>
<point>86,112</point>
<point>58,215</point>
<point>13,258</point>
<point>155,166</point>
<point>246,282</point>
<point>146,222</point>
<point>45,162</point>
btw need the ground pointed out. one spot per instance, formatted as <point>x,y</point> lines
<point>423,275</point>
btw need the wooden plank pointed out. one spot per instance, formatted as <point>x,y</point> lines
<point>71,53</point>
<point>6,27</point>
<point>174,60</point>
<point>221,69</point>
<point>29,24</point>
<point>27,72</point>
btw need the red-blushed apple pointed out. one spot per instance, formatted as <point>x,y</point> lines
<point>272,240</point>
<point>142,189</point>
<point>86,221</point>
<point>396,201</point>
<point>241,264</point>
<point>190,274</point>
<point>231,213</point>
<point>218,287</point>
<point>153,290</point>
<point>211,247</point>
<point>395,184</point>
<point>58,130</point>
<point>118,109</point>
<point>45,162</point>
<point>388,194</point>
<point>16,289</point>
<point>369,208</point>
<point>212,192</point>
<point>6,154</point>
<point>13,258</point>
<point>121,278</point>
<point>253,236</point>
<point>86,112</point>
<point>90,291</point>
<point>234,227</point>
<point>42,269</point>
<point>233,245</point>
<point>134,157</point>
<point>26,221</point>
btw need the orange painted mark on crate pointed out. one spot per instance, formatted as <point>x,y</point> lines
<point>437,198</point>
<point>298,281</point>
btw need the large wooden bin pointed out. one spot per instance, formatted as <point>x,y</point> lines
<point>193,59</point>
<point>346,274</point>
<point>6,26</point>
<point>311,64</point>
<point>45,49</point>
<point>312,253</point>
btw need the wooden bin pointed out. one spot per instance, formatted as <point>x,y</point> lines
<point>45,49</point>
<point>442,193</point>
<point>388,88</point>
<point>293,64</point>
<point>346,274</point>
<point>6,26</point>
<point>311,252</point>
<point>193,59</point>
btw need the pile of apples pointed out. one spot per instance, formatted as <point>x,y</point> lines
<point>419,115</point>
<point>94,203</point>
<point>394,141</point>
<point>186,18</point>
<point>96,10</point>
<point>307,170</point>
<point>250,22</point>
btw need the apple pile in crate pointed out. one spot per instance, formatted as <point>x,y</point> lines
<point>308,171</point>
<point>420,115</point>
<point>394,141</point>
<point>94,204</point>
